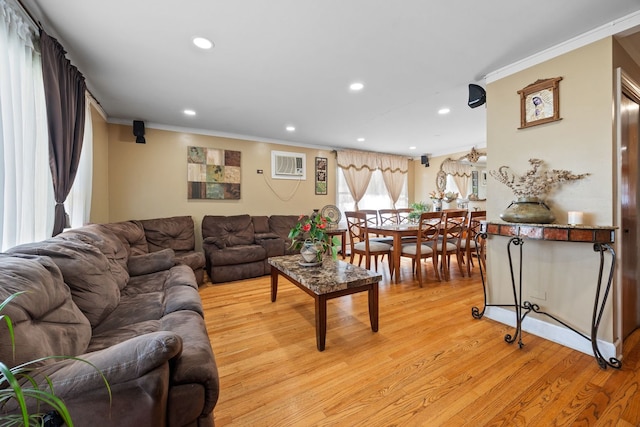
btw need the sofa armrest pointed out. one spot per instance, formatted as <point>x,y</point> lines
<point>266,236</point>
<point>273,246</point>
<point>120,363</point>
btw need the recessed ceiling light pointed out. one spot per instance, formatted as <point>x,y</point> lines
<point>290,128</point>
<point>189,113</point>
<point>202,43</point>
<point>361,140</point>
<point>444,111</point>
<point>412,147</point>
<point>356,86</point>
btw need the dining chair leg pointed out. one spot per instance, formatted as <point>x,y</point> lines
<point>435,268</point>
<point>419,273</point>
<point>460,263</point>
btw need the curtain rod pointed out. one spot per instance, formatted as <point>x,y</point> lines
<point>28,15</point>
<point>38,25</point>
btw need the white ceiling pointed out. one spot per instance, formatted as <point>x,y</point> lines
<point>281,62</point>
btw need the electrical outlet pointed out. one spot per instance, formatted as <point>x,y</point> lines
<point>540,295</point>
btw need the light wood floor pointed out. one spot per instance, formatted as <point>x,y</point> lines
<point>430,364</point>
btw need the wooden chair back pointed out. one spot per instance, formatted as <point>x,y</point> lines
<point>403,215</point>
<point>388,216</point>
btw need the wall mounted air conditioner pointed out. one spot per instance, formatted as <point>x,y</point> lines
<point>287,165</point>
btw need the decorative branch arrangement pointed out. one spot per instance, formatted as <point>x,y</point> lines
<point>534,183</point>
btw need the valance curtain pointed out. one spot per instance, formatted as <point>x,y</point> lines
<point>65,98</point>
<point>358,166</point>
<point>26,192</point>
<point>461,173</point>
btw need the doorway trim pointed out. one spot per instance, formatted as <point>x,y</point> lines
<point>624,85</point>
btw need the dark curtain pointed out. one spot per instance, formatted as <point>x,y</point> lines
<point>64,88</point>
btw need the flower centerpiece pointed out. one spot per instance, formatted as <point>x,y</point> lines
<point>529,190</point>
<point>436,197</point>
<point>310,236</point>
<point>450,196</point>
<point>418,209</point>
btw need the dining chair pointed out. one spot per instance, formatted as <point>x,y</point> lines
<point>388,216</point>
<point>372,222</point>
<point>371,215</point>
<point>451,236</point>
<point>403,215</point>
<point>362,244</point>
<point>468,244</point>
<point>426,244</point>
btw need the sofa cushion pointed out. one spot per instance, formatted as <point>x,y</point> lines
<point>46,320</point>
<point>228,231</point>
<point>151,262</point>
<point>195,260</point>
<point>108,243</point>
<point>131,234</point>
<point>260,224</point>
<point>176,233</point>
<point>282,224</point>
<point>85,270</point>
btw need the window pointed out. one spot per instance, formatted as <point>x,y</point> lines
<point>376,196</point>
<point>26,191</point>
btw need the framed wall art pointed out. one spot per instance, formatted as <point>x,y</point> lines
<point>540,103</point>
<point>213,173</point>
<point>321,175</point>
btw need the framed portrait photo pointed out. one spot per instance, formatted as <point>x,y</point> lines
<point>540,103</point>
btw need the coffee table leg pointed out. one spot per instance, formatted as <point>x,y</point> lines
<point>274,283</point>
<point>321,321</point>
<point>373,306</point>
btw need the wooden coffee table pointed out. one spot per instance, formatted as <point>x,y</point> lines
<point>330,280</point>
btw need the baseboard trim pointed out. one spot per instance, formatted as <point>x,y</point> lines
<point>551,332</point>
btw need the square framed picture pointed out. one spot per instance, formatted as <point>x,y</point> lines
<point>321,175</point>
<point>540,103</point>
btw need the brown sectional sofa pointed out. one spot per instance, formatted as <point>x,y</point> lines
<point>237,247</point>
<point>117,296</point>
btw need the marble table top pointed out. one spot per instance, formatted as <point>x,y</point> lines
<point>331,276</point>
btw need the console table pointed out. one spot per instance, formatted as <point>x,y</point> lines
<point>600,237</point>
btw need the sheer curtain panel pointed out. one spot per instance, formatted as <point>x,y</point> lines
<point>26,195</point>
<point>78,203</point>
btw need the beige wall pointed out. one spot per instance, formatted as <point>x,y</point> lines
<point>560,277</point>
<point>150,180</point>
<point>100,188</point>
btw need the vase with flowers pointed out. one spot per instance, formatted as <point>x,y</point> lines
<point>530,190</point>
<point>310,236</point>
<point>436,198</point>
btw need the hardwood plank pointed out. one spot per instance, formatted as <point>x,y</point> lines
<point>430,363</point>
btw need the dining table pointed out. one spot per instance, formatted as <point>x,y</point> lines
<point>397,231</point>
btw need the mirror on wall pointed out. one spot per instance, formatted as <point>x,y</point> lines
<point>469,174</point>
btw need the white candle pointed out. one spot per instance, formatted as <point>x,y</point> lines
<point>575,217</point>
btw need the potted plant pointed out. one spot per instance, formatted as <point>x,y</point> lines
<point>310,236</point>
<point>20,383</point>
<point>418,209</point>
<point>530,189</point>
